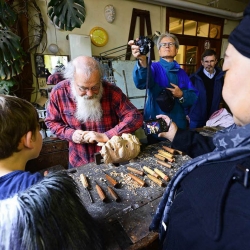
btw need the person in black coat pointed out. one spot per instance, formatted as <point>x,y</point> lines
<point>208,80</point>
<point>206,205</point>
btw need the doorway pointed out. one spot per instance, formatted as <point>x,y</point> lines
<point>195,32</point>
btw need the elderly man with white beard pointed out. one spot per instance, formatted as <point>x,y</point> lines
<point>85,109</point>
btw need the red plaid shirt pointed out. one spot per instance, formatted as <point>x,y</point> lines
<point>119,116</point>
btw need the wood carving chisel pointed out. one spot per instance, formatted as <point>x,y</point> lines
<point>100,192</point>
<point>165,153</point>
<point>137,179</point>
<point>162,175</point>
<point>170,150</point>
<point>159,157</point>
<point>85,184</point>
<point>112,192</point>
<point>167,158</point>
<point>154,179</point>
<point>135,171</point>
<point>149,171</point>
<point>164,164</point>
<point>111,180</point>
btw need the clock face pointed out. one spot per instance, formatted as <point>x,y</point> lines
<point>99,36</point>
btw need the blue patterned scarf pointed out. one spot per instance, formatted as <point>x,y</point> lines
<point>231,144</point>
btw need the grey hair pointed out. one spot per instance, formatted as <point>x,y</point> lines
<point>177,44</point>
<point>86,68</point>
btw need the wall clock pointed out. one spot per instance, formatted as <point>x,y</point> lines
<point>99,36</point>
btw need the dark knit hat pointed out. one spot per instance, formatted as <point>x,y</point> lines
<point>240,36</point>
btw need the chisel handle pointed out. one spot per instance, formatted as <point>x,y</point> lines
<point>113,193</point>
<point>162,175</point>
<point>100,192</point>
<point>148,170</point>
<point>164,164</point>
<point>137,179</point>
<point>84,181</point>
<point>136,171</point>
<point>167,158</point>
<point>170,150</point>
<point>161,158</point>
<point>112,181</point>
<point>165,153</point>
<point>157,181</point>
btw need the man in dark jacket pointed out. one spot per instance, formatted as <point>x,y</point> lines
<point>206,205</point>
<point>208,80</point>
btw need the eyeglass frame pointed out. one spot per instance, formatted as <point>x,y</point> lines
<point>93,89</point>
<point>167,45</point>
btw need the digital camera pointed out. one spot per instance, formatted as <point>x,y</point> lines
<point>145,44</point>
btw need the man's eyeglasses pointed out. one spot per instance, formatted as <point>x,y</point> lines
<point>167,45</point>
<point>93,89</point>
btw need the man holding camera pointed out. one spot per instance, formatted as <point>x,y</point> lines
<point>165,74</point>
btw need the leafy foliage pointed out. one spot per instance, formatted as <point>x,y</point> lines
<point>5,86</point>
<point>67,14</point>
<point>7,15</point>
<point>11,54</point>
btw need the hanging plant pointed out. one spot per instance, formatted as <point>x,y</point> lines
<point>67,14</point>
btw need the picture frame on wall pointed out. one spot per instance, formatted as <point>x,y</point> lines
<point>40,66</point>
<point>42,83</point>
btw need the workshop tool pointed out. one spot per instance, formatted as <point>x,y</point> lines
<point>72,170</point>
<point>173,151</point>
<point>100,192</point>
<point>137,179</point>
<point>161,158</point>
<point>98,158</point>
<point>170,150</point>
<point>166,157</point>
<point>111,191</point>
<point>154,179</point>
<point>112,181</point>
<point>165,153</point>
<point>165,164</point>
<point>179,152</point>
<point>162,175</point>
<point>136,171</point>
<point>148,170</point>
<point>85,184</point>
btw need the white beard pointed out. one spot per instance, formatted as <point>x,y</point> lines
<point>88,109</point>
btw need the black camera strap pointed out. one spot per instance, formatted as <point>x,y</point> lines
<point>147,81</point>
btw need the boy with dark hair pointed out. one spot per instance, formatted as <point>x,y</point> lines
<point>20,141</point>
<point>37,212</point>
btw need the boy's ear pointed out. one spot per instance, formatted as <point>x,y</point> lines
<point>28,140</point>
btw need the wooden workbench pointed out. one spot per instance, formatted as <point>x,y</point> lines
<point>125,223</point>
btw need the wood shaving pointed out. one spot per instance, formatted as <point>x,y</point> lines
<point>126,181</point>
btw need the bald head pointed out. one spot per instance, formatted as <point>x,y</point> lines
<point>86,65</point>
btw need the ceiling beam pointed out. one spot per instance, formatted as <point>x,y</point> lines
<point>198,8</point>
